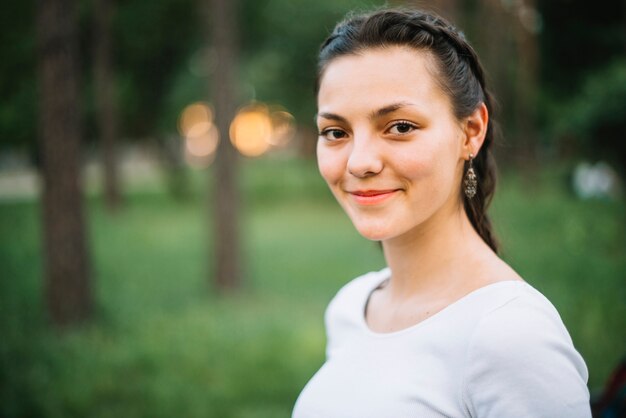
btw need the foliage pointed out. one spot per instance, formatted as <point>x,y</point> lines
<point>165,345</point>
<point>281,62</point>
<point>596,115</point>
<point>156,41</point>
<point>578,39</point>
<point>17,75</point>
<point>278,42</point>
<point>153,40</point>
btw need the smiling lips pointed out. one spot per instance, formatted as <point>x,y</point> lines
<point>372,197</point>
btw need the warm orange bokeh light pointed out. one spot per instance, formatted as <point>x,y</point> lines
<point>256,128</point>
<point>195,118</point>
<point>204,144</point>
<point>251,130</point>
<point>200,134</point>
<point>283,127</point>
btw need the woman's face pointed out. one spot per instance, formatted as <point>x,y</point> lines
<point>390,148</point>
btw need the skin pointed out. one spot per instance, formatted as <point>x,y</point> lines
<point>392,152</point>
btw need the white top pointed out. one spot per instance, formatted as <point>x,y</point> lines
<point>501,351</point>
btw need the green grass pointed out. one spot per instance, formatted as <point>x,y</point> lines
<point>163,344</point>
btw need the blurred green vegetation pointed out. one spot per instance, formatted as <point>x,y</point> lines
<point>162,63</point>
<point>164,344</point>
<point>595,118</point>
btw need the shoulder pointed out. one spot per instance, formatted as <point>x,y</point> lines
<point>523,317</point>
<point>521,362</point>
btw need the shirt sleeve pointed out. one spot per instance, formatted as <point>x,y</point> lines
<point>521,363</point>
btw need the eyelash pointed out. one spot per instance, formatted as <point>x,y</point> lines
<point>403,122</point>
<point>324,133</point>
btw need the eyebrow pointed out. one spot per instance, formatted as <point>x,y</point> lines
<point>331,116</point>
<point>388,109</point>
<point>385,110</point>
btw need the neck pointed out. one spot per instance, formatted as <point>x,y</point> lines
<point>433,257</point>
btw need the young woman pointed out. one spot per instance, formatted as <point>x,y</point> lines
<point>448,329</point>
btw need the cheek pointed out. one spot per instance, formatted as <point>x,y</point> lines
<point>331,164</point>
<point>432,167</point>
<point>414,165</point>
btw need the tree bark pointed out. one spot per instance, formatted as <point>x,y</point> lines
<point>227,254</point>
<point>66,262</point>
<point>105,96</point>
<point>526,83</point>
<point>495,44</point>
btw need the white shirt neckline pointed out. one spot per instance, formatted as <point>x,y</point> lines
<point>386,274</point>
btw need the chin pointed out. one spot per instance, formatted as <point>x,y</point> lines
<point>374,226</point>
<point>373,232</point>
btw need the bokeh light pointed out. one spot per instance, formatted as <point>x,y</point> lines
<point>204,144</point>
<point>283,127</point>
<point>200,134</point>
<point>195,117</point>
<point>257,127</point>
<point>251,130</point>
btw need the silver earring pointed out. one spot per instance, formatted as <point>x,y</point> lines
<point>470,181</point>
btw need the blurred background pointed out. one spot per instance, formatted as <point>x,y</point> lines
<point>167,247</point>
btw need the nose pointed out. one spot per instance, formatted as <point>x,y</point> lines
<point>365,159</point>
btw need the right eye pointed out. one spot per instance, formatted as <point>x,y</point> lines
<point>333,134</point>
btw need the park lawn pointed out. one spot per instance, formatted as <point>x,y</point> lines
<point>164,344</point>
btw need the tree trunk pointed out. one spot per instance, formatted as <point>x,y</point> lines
<point>66,262</point>
<point>227,256</point>
<point>526,83</point>
<point>495,44</point>
<point>105,96</point>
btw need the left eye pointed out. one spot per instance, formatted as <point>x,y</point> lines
<point>402,128</point>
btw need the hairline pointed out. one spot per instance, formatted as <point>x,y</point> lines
<point>432,64</point>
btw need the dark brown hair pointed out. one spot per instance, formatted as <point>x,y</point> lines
<point>458,71</point>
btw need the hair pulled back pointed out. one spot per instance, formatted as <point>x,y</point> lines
<point>458,72</point>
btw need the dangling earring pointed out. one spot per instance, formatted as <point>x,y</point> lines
<point>470,182</point>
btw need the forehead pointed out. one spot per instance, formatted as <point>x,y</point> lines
<point>380,76</point>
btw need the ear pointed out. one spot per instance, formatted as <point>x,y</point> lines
<point>475,129</point>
